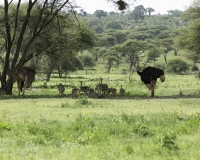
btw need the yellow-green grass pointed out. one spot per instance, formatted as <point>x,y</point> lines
<point>64,128</point>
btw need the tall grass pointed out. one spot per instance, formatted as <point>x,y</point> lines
<point>99,129</point>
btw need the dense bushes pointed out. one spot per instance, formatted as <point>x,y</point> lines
<point>177,66</point>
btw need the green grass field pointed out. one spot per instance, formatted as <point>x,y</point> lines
<point>64,128</point>
<point>43,125</point>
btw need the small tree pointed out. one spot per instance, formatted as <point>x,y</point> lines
<point>149,10</point>
<point>111,61</point>
<point>100,13</point>
<point>120,37</point>
<point>87,60</point>
<point>153,53</point>
<point>113,25</point>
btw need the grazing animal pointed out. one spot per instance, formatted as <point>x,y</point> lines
<point>75,92</point>
<point>61,89</point>
<point>24,76</point>
<point>122,91</point>
<point>84,89</point>
<point>149,77</point>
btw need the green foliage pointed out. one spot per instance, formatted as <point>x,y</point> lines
<point>177,66</point>
<point>120,37</point>
<point>129,149</point>
<point>169,141</point>
<point>175,12</point>
<point>45,131</point>
<point>106,41</point>
<point>161,66</point>
<point>121,129</point>
<point>86,38</point>
<point>100,13</point>
<point>194,67</point>
<point>87,60</point>
<point>83,100</point>
<point>163,35</point>
<point>113,25</point>
<point>98,29</point>
<point>5,126</point>
<point>154,53</point>
<point>138,13</point>
<point>142,130</point>
<point>138,36</point>
<point>188,37</point>
<point>71,64</point>
<point>111,61</point>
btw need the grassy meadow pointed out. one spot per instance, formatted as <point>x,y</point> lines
<point>64,128</point>
<point>44,125</point>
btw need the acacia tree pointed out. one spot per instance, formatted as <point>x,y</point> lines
<point>110,62</point>
<point>189,36</point>
<point>149,10</point>
<point>133,50</point>
<point>138,12</point>
<point>153,53</point>
<point>22,29</point>
<point>100,13</point>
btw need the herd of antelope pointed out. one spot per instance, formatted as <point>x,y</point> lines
<point>100,90</point>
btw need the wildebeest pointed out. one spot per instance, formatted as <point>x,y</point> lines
<point>149,77</point>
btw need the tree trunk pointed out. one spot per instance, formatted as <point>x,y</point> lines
<point>146,61</point>
<point>165,58</point>
<point>9,86</point>
<point>131,62</point>
<point>109,67</point>
<point>175,52</point>
<point>131,65</point>
<point>49,72</point>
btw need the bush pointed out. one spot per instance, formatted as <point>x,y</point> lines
<point>194,67</point>
<point>177,66</point>
<point>161,66</point>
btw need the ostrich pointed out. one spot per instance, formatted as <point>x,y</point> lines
<point>101,87</point>
<point>24,76</point>
<point>84,89</point>
<point>149,77</point>
<point>112,90</point>
<point>75,91</point>
<point>92,93</point>
<point>61,89</point>
<point>122,91</point>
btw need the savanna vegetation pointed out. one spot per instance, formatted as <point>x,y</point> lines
<point>73,46</point>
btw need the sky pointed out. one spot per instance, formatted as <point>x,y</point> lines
<point>160,6</point>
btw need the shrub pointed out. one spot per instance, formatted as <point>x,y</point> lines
<point>177,66</point>
<point>169,141</point>
<point>161,66</point>
<point>194,67</point>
